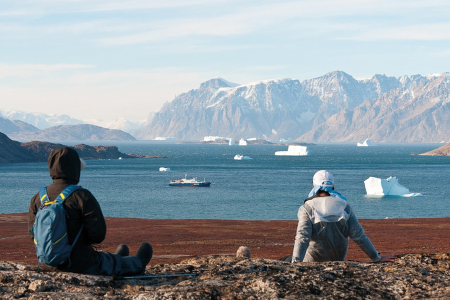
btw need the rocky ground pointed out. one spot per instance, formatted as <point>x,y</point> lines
<point>411,276</point>
<point>192,246</point>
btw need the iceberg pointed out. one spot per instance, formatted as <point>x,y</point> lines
<point>210,138</point>
<point>367,143</point>
<point>164,138</point>
<point>241,157</point>
<point>387,187</point>
<point>295,151</point>
<point>231,142</point>
<point>162,169</point>
<point>242,142</point>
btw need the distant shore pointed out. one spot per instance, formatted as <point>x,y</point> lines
<point>176,240</point>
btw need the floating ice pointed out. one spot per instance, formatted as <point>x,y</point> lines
<point>387,187</point>
<point>162,169</point>
<point>367,143</point>
<point>242,142</point>
<point>295,151</point>
<point>241,157</point>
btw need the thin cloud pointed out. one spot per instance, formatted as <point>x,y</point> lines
<point>24,70</point>
<point>49,7</point>
<point>223,19</point>
<point>423,32</point>
<point>345,19</point>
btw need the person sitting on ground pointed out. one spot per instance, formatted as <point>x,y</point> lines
<point>84,213</point>
<point>325,221</point>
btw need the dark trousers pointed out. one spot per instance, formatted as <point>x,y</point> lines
<point>286,258</point>
<point>109,264</point>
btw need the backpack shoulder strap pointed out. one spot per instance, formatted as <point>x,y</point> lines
<point>43,195</point>
<point>67,191</point>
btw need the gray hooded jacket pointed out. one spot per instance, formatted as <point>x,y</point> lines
<point>324,225</point>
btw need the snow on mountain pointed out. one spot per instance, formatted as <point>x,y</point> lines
<point>10,127</point>
<point>269,109</point>
<point>44,121</point>
<point>417,110</point>
<point>333,107</point>
<point>40,120</point>
<point>218,109</point>
<point>125,125</point>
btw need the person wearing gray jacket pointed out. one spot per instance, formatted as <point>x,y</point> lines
<point>325,222</point>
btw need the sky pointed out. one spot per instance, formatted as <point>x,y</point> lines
<point>108,59</point>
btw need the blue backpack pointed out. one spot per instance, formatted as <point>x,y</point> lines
<point>50,229</point>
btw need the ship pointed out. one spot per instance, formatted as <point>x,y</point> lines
<point>185,182</point>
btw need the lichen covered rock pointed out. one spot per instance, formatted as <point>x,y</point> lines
<point>411,276</point>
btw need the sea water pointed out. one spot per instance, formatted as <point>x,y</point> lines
<point>268,187</point>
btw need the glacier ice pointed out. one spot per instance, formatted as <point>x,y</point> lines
<point>387,187</point>
<point>295,151</point>
<point>367,143</point>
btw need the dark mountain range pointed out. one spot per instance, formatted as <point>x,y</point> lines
<point>12,152</point>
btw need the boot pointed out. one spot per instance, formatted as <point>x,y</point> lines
<point>145,253</point>
<point>122,250</point>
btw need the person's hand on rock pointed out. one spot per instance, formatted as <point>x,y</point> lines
<point>387,258</point>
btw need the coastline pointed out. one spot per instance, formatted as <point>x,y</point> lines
<point>176,240</point>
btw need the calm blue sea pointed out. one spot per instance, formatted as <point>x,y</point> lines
<point>268,187</point>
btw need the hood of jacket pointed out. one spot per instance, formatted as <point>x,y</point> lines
<point>64,163</point>
<point>327,209</point>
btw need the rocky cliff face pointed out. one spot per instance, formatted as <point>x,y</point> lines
<point>223,277</point>
<point>441,151</point>
<point>12,152</point>
<point>275,109</point>
<point>15,152</point>
<point>416,111</point>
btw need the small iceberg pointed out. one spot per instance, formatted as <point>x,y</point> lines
<point>367,143</point>
<point>231,142</point>
<point>162,169</point>
<point>164,138</point>
<point>295,151</point>
<point>387,187</point>
<point>120,157</point>
<point>242,142</point>
<point>241,157</point>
